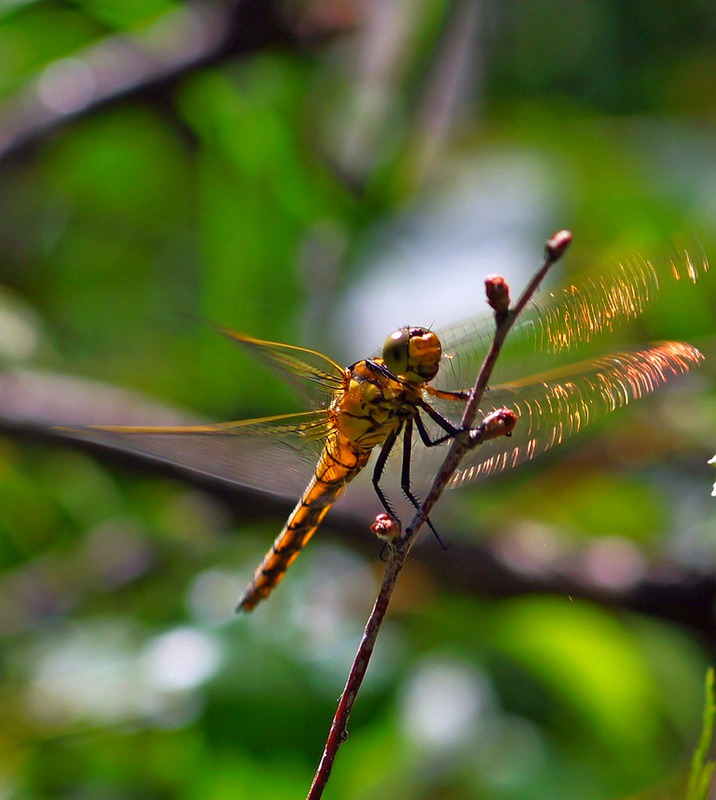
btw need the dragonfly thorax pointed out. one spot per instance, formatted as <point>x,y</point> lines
<point>413,354</point>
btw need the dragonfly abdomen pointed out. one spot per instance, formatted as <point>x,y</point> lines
<point>340,462</point>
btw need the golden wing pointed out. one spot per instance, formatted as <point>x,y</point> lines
<point>567,318</point>
<point>556,405</point>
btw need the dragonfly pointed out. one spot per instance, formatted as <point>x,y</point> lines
<point>415,391</point>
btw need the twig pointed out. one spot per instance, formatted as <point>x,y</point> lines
<point>470,437</point>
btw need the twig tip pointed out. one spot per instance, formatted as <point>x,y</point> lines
<point>500,422</point>
<point>498,293</point>
<point>556,246</point>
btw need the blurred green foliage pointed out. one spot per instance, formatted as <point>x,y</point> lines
<point>278,193</point>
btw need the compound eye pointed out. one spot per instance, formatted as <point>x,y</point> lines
<point>395,351</point>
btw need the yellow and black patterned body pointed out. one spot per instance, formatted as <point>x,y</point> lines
<point>371,406</point>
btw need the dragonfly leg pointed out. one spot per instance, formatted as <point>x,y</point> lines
<point>425,436</point>
<point>455,397</point>
<point>380,463</point>
<point>384,554</point>
<point>388,445</point>
<point>451,431</point>
<point>405,472</point>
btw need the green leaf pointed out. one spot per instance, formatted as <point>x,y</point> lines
<point>701,767</point>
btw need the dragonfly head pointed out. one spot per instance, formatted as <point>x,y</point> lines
<point>413,354</point>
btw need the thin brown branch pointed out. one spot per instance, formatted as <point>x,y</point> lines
<point>504,320</point>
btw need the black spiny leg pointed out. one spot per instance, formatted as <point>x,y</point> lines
<point>388,445</point>
<point>405,473</point>
<point>451,431</point>
<point>382,459</point>
<point>425,435</point>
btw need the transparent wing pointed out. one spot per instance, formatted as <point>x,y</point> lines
<point>555,405</point>
<point>316,376</point>
<point>561,320</point>
<point>274,454</point>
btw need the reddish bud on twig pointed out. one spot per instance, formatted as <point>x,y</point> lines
<point>556,246</point>
<point>498,293</point>
<point>386,527</point>
<point>497,423</point>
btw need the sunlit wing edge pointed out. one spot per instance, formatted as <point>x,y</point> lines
<point>556,405</point>
<point>565,317</point>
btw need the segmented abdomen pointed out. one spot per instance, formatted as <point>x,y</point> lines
<point>339,464</point>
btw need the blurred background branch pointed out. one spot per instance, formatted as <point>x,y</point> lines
<point>143,66</point>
